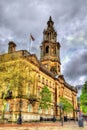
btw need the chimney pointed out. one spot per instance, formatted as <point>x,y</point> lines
<point>11,47</point>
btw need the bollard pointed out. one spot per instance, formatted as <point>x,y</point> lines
<point>80,122</point>
<point>61,121</point>
<point>19,121</point>
<point>54,119</point>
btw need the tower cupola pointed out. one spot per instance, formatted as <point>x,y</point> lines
<point>49,33</point>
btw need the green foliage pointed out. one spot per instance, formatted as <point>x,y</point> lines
<point>83,98</point>
<point>45,98</point>
<point>13,77</point>
<point>67,106</point>
<point>84,108</point>
<point>84,89</point>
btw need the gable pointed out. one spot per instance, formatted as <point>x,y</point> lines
<point>33,59</point>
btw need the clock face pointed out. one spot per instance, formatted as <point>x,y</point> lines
<point>53,69</point>
<point>46,65</point>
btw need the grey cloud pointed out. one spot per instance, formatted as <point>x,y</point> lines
<point>77,66</point>
<point>19,18</point>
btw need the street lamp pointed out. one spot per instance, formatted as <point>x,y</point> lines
<point>61,112</point>
<point>60,105</point>
<point>10,111</point>
<point>19,121</point>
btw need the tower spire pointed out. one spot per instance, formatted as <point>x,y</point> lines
<point>50,22</point>
<point>49,33</point>
<point>50,18</point>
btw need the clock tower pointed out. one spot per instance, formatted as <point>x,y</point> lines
<point>50,49</point>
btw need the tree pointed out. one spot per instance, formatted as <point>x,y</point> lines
<point>45,100</point>
<point>83,98</point>
<point>67,106</point>
<point>14,77</point>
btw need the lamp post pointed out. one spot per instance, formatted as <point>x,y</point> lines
<point>10,115</point>
<point>60,105</point>
<point>61,108</point>
<point>19,121</point>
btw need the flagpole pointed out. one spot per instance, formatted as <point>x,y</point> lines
<point>29,42</point>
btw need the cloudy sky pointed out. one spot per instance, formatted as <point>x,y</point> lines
<point>19,18</point>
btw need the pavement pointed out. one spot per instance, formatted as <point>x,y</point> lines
<point>44,126</point>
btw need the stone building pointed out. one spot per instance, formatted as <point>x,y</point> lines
<point>22,77</point>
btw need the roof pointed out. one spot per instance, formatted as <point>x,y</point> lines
<point>11,43</point>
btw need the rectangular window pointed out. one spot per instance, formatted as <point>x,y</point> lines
<point>46,82</point>
<point>39,78</point>
<point>53,85</point>
<point>50,84</point>
<point>43,80</point>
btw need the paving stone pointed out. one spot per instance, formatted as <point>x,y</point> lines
<point>44,126</point>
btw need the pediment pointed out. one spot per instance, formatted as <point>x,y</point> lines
<point>34,60</point>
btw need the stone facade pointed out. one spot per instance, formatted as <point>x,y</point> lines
<point>22,77</point>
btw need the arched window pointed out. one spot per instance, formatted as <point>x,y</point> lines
<point>46,111</point>
<point>7,108</point>
<point>47,49</point>
<point>51,111</point>
<point>54,50</point>
<point>39,110</point>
